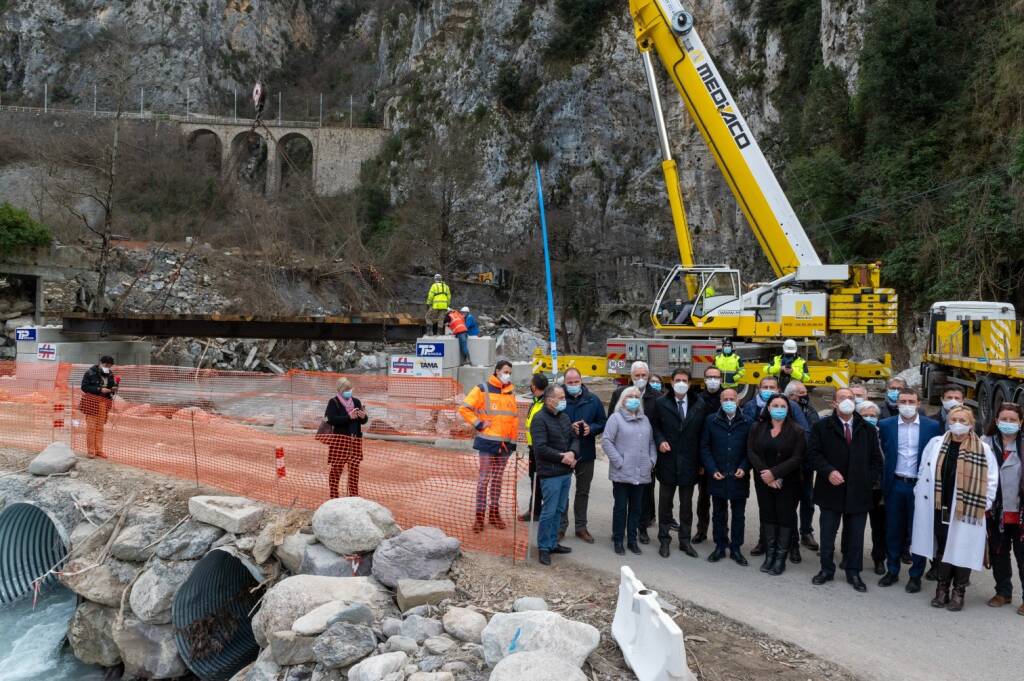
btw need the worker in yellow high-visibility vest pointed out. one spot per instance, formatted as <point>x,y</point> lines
<point>439,298</point>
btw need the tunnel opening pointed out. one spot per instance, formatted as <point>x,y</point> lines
<point>212,616</point>
<point>31,545</point>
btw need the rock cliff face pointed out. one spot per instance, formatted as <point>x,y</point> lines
<point>439,66</point>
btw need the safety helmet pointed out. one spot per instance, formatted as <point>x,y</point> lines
<point>437,277</point>
<point>789,346</point>
<point>464,309</point>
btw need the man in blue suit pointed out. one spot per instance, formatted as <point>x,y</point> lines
<point>903,440</point>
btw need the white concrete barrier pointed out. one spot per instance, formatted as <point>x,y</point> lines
<point>650,640</point>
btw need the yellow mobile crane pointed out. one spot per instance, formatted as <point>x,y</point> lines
<point>699,305</point>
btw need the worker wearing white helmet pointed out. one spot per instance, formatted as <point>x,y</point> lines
<point>787,366</point>
<point>471,323</point>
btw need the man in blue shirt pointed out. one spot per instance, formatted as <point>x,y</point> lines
<point>471,324</point>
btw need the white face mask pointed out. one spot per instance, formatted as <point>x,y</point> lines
<point>680,387</point>
<point>105,370</point>
<point>908,411</point>
<point>959,428</point>
<point>505,378</point>
<point>639,383</point>
<point>713,384</point>
<point>949,404</point>
<point>846,407</point>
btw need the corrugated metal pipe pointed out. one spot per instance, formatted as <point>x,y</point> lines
<point>212,615</point>
<point>31,544</point>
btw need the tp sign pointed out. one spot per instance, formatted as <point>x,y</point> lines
<point>46,351</point>
<point>419,367</point>
<point>430,350</point>
<point>25,334</point>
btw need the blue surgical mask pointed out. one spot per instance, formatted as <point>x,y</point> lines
<point>1007,428</point>
<point>633,404</point>
<point>729,407</point>
<point>873,420</point>
<point>574,390</point>
<point>656,386</point>
<point>347,394</point>
<point>727,350</point>
<point>767,394</point>
<point>561,405</point>
<point>778,413</point>
<point>892,395</point>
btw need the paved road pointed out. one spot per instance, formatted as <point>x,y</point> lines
<point>884,634</point>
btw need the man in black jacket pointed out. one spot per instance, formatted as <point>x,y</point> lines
<point>98,387</point>
<point>679,418</point>
<point>639,372</point>
<point>848,461</point>
<point>712,396</point>
<point>555,447</point>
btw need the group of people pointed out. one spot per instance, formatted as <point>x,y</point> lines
<point>932,489</point>
<point>440,314</point>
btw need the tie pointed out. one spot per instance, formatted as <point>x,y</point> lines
<point>682,409</point>
<point>848,433</point>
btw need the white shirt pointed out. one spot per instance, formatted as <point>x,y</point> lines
<point>907,438</point>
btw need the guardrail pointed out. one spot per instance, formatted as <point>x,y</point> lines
<point>174,118</point>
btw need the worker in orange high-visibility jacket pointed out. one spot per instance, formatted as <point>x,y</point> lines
<point>457,324</point>
<point>491,409</point>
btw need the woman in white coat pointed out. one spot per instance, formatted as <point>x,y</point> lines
<point>956,485</point>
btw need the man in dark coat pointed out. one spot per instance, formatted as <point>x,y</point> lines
<point>587,415</point>
<point>848,462</point>
<point>723,450</point>
<point>797,392</point>
<point>99,386</point>
<point>640,374</point>
<point>712,395</point>
<point>679,419</point>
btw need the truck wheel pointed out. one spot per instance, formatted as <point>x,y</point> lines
<point>983,394</point>
<point>933,379</point>
<point>1004,392</point>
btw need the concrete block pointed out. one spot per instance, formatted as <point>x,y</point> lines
<point>447,346</point>
<point>522,372</point>
<point>231,514</point>
<point>482,351</point>
<point>472,376</point>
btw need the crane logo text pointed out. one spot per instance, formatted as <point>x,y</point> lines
<point>721,99</point>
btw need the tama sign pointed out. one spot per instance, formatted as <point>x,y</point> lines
<point>419,367</point>
<point>720,96</point>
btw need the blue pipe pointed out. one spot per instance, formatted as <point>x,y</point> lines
<point>547,273</point>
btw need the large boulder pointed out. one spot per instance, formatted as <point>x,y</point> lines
<point>56,458</point>
<point>148,650</point>
<point>237,515</point>
<point>90,634</point>
<point>413,592</point>
<point>344,644</point>
<point>153,592</point>
<point>464,624</point>
<point>189,541</point>
<point>296,596</point>
<point>317,620</point>
<point>538,630</point>
<point>137,541</point>
<point>418,553</point>
<point>353,525</point>
<point>378,667</point>
<point>536,665</point>
<point>102,584</point>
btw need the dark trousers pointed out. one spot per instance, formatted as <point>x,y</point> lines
<point>628,500</point>
<point>807,503</point>
<point>584,474</point>
<point>853,530</point>
<point>703,504</point>
<point>723,537</point>
<point>1000,547</point>
<point>944,571</point>
<point>899,519</point>
<point>647,510</point>
<point>535,499</point>
<point>777,506</point>
<point>666,497</point>
<point>877,518</point>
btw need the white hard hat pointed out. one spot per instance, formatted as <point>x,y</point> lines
<point>437,277</point>
<point>464,309</point>
<point>789,345</point>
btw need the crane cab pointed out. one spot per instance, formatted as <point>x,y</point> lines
<point>698,297</point>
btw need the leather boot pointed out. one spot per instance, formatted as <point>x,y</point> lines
<point>478,526</point>
<point>956,599</point>
<point>771,545</point>
<point>794,550</point>
<point>494,518</point>
<point>759,548</point>
<point>781,553</point>
<point>941,599</point>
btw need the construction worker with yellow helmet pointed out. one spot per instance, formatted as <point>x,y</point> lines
<point>730,364</point>
<point>787,366</point>
<point>439,297</point>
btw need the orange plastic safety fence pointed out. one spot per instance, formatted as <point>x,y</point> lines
<point>253,434</point>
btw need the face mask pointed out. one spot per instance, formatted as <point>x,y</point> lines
<point>873,420</point>
<point>767,394</point>
<point>908,411</point>
<point>574,390</point>
<point>959,428</point>
<point>729,407</point>
<point>857,401</point>
<point>949,404</point>
<point>1007,428</point>
<point>727,351</point>
<point>640,383</point>
<point>505,378</point>
<point>347,394</point>
<point>846,407</point>
<point>633,404</point>
<point>655,386</point>
<point>803,400</point>
<point>561,405</point>
<point>778,413</point>
<point>892,395</point>
<point>713,384</point>
<point>680,387</point>
<point>105,370</point>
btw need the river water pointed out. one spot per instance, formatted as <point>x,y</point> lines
<point>30,640</point>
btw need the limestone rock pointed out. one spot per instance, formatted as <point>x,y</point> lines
<point>353,525</point>
<point>86,537</point>
<point>527,603</point>
<point>153,592</point>
<point>317,620</point>
<point>90,634</point>
<point>403,643</point>
<point>464,624</point>
<point>56,458</point>
<point>344,644</point>
<point>418,553</point>
<point>232,514</point>
<point>148,650</point>
<point>103,584</point>
<point>431,676</point>
<point>354,613</point>
<point>296,596</point>
<point>536,665</point>
<point>264,668</point>
<point>299,672</point>
<point>420,628</point>
<point>189,541</point>
<point>135,542</point>
<point>320,560</point>
<point>391,626</point>
<point>289,648</point>
<point>539,630</point>
<point>378,667</point>
<point>439,645</point>
<point>292,550</point>
<point>413,592</point>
